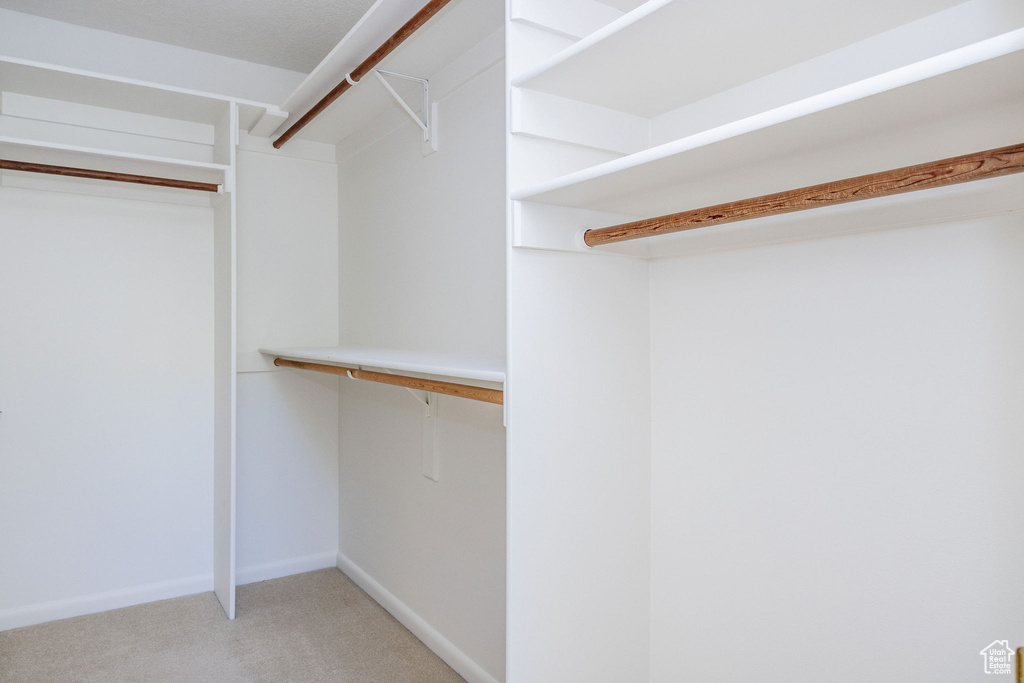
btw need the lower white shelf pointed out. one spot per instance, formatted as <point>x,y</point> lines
<point>459,366</point>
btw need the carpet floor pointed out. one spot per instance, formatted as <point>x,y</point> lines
<point>310,627</point>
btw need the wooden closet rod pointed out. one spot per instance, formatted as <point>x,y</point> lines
<point>962,169</point>
<point>436,386</point>
<point>8,165</point>
<point>420,18</point>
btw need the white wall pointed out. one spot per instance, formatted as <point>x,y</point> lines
<point>422,251</point>
<point>54,42</point>
<point>287,250</point>
<point>837,442</point>
<point>438,548</point>
<point>287,473</point>
<point>106,393</point>
<point>422,268</point>
<point>579,468</point>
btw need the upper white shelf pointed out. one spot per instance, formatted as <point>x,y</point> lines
<point>66,84</point>
<point>486,369</point>
<point>58,115</point>
<point>660,56</point>
<point>381,20</point>
<point>961,101</point>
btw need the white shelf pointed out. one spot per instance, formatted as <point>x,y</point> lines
<point>62,116</point>
<point>42,152</point>
<point>101,90</point>
<point>444,51</point>
<point>976,92</point>
<point>485,369</point>
<point>661,56</point>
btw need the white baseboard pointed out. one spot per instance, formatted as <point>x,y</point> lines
<point>275,570</point>
<point>39,613</point>
<point>441,646</point>
<point>42,612</point>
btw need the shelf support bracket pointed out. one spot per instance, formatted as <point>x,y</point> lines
<point>428,124</point>
<point>431,451</point>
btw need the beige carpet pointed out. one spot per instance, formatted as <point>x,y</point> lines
<point>310,627</point>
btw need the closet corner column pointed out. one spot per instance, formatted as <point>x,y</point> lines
<point>225,311</point>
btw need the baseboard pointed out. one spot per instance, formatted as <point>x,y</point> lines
<point>39,613</point>
<point>441,646</point>
<point>275,570</point>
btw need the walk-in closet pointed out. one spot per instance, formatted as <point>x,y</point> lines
<point>592,340</point>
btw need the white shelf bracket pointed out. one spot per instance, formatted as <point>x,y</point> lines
<point>428,124</point>
<point>431,452</point>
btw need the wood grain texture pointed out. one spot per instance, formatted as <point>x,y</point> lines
<point>27,167</point>
<point>978,166</point>
<point>386,48</point>
<point>436,386</point>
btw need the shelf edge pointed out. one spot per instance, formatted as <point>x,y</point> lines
<point>399,366</point>
<point>95,151</point>
<point>584,44</point>
<point>136,82</point>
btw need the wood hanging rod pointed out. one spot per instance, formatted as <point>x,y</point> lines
<point>436,386</point>
<point>978,166</point>
<point>356,75</point>
<point>8,165</point>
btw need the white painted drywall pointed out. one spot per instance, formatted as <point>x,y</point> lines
<point>287,474</point>
<point>837,443</point>
<point>438,547</point>
<point>287,420</point>
<point>106,393</point>
<point>287,253</point>
<point>422,268</point>
<point>578,468</point>
<point>54,42</point>
<point>422,252</point>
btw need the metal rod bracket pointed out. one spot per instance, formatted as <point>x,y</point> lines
<point>427,124</point>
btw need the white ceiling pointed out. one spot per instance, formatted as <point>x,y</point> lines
<point>291,34</point>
